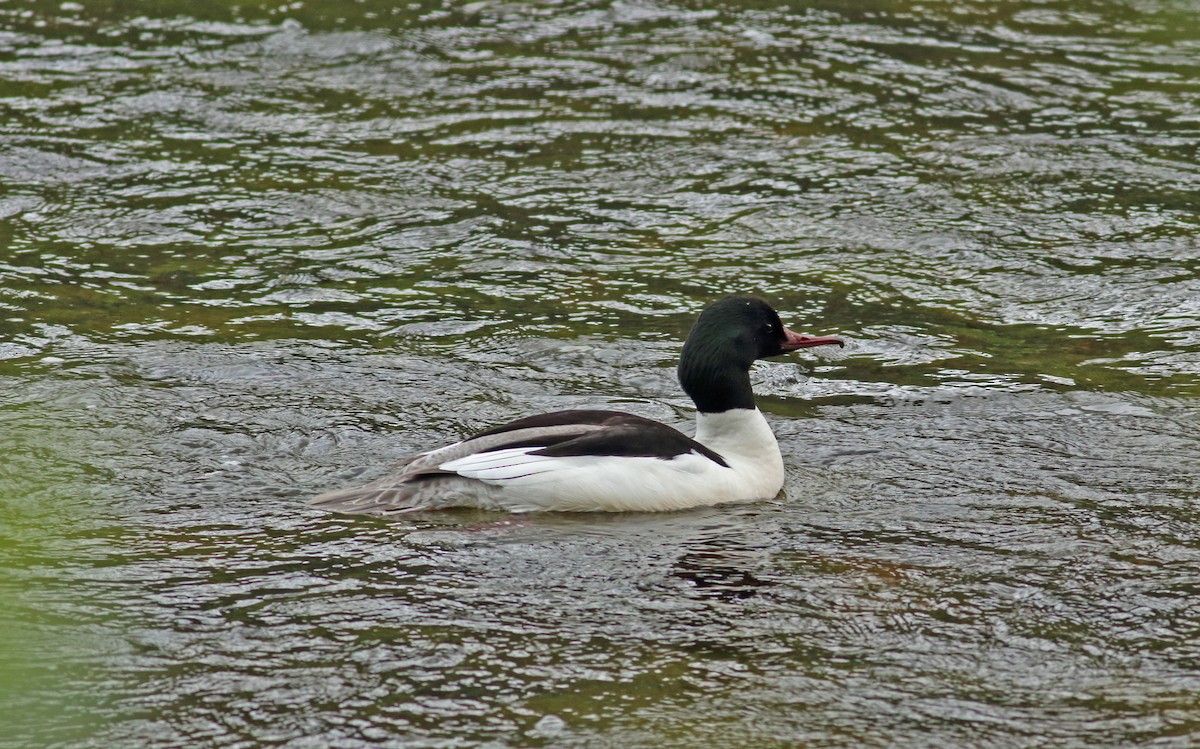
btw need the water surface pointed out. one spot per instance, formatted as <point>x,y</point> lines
<point>252,252</point>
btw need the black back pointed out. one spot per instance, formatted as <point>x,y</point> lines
<point>621,434</point>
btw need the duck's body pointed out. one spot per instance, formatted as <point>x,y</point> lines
<point>584,461</point>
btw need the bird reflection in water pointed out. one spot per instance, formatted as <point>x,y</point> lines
<point>722,568</point>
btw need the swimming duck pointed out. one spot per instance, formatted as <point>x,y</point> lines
<point>586,460</point>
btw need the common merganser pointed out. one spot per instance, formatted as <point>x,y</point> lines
<point>582,461</point>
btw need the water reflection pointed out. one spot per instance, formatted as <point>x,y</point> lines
<point>722,569</point>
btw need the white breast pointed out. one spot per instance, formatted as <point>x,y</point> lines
<point>744,439</point>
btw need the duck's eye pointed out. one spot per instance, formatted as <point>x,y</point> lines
<point>769,328</point>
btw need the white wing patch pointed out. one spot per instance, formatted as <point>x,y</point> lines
<point>498,466</point>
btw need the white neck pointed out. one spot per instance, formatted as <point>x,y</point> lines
<point>744,439</point>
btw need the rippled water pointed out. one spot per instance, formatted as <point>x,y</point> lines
<point>252,252</point>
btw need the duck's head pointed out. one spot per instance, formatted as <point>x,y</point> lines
<point>726,339</point>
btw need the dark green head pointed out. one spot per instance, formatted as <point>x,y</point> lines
<point>726,339</point>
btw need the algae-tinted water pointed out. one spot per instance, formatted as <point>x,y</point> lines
<point>252,252</point>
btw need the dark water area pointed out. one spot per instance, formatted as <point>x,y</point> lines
<point>250,252</point>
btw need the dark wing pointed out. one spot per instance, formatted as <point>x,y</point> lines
<point>541,430</point>
<point>577,417</point>
<point>630,436</point>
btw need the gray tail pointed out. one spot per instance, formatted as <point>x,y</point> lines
<point>397,494</point>
<point>367,500</point>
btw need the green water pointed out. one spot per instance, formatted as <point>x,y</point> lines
<point>249,253</point>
